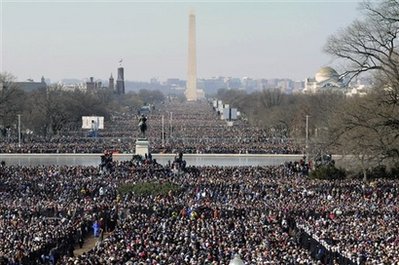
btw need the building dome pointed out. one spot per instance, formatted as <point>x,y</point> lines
<point>325,74</point>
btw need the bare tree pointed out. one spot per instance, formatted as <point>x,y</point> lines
<point>370,44</point>
<point>270,98</point>
<point>11,100</point>
<point>368,128</point>
<point>357,130</point>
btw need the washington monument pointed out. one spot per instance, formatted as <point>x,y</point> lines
<point>191,91</point>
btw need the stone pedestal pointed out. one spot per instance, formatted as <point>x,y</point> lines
<point>142,147</point>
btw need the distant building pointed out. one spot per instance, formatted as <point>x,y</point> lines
<point>212,85</point>
<point>111,84</point>
<point>272,83</point>
<point>175,83</point>
<point>360,87</point>
<point>72,84</point>
<point>154,81</point>
<point>326,79</point>
<point>359,90</point>
<point>298,86</point>
<point>72,87</point>
<point>248,84</point>
<point>233,83</point>
<point>120,82</point>
<point>285,85</point>
<point>30,85</point>
<point>92,86</point>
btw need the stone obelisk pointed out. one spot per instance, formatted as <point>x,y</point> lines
<point>191,91</point>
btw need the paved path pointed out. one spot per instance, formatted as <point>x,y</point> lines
<point>89,244</point>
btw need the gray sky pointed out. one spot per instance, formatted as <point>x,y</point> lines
<point>78,39</point>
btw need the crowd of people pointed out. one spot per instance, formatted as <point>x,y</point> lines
<point>48,208</point>
<point>266,215</point>
<point>192,127</point>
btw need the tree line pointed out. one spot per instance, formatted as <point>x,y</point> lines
<point>48,111</point>
<point>366,128</point>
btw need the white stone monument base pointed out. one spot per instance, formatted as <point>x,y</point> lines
<point>142,147</point>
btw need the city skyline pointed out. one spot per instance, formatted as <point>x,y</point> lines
<point>263,39</point>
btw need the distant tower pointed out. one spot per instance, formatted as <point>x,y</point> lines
<point>120,82</point>
<point>191,91</point>
<point>111,85</point>
<point>90,85</point>
<point>43,80</point>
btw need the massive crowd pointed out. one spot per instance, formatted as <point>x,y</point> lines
<point>188,127</point>
<point>267,215</point>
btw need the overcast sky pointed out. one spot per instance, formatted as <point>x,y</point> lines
<point>78,39</point>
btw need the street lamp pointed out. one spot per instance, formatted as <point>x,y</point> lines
<point>163,131</point>
<point>307,137</point>
<point>170,124</point>
<point>236,261</point>
<point>307,131</point>
<point>19,130</point>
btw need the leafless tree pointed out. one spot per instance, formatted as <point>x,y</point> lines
<point>370,44</point>
<point>368,128</point>
<point>11,100</point>
<point>357,130</point>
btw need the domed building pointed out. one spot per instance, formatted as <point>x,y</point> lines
<point>326,74</point>
<point>325,79</point>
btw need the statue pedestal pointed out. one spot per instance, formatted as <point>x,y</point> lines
<point>142,147</point>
